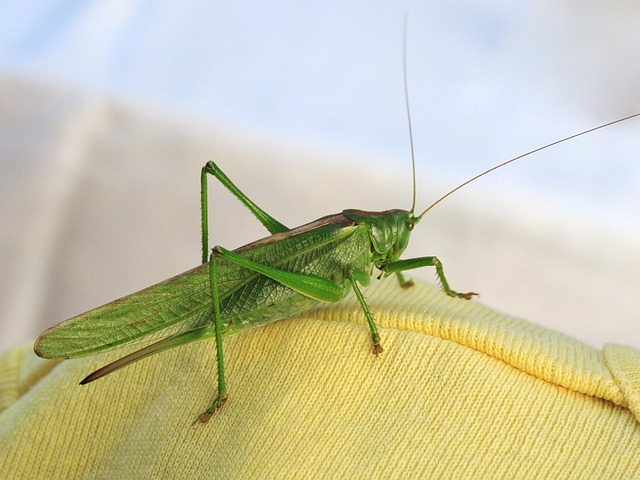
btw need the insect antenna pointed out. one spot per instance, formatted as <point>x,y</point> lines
<point>406,101</point>
<point>519,157</point>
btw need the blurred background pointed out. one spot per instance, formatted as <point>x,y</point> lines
<point>109,109</point>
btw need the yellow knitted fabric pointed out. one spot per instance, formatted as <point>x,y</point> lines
<point>461,391</point>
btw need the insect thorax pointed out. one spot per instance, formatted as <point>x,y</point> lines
<point>389,232</point>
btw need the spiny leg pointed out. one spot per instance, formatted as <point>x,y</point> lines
<point>312,286</point>
<point>445,284</point>
<point>375,336</point>
<point>411,263</point>
<point>267,220</point>
<point>221,398</point>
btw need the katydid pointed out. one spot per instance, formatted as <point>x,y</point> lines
<point>262,282</point>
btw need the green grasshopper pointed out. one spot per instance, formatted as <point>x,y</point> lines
<point>262,282</point>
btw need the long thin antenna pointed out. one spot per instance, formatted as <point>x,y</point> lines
<point>406,101</point>
<point>525,155</point>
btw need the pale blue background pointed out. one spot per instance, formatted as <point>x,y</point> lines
<point>489,79</point>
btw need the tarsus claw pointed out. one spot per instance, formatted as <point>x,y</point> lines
<point>208,413</point>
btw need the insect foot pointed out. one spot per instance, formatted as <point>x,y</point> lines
<point>217,404</point>
<point>406,284</point>
<point>377,348</point>
<point>466,296</point>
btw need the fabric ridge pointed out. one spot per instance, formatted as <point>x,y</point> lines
<point>460,391</point>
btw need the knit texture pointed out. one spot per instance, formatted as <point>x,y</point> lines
<point>460,391</point>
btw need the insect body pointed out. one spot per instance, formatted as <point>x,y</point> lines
<point>262,282</point>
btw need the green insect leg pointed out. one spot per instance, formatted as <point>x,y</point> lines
<point>267,220</point>
<point>375,336</point>
<point>312,286</point>
<point>404,283</point>
<point>221,398</point>
<point>411,263</point>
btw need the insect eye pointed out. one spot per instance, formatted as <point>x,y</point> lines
<point>409,224</point>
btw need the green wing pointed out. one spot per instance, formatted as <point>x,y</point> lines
<point>178,304</point>
<point>183,303</point>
